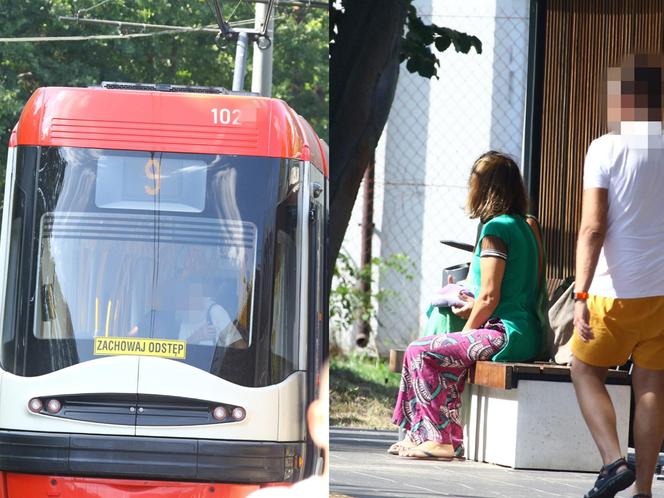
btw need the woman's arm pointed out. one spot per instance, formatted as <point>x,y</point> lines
<point>492,269</point>
<point>591,238</point>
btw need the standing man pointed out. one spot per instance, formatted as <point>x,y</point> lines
<point>619,290</point>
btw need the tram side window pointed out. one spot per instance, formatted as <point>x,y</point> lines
<point>11,299</point>
<point>316,283</point>
<point>284,332</point>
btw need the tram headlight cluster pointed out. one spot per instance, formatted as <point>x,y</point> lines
<point>36,405</point>
<point>221,414</point>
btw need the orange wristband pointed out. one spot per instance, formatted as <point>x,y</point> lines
<point>581,295</point>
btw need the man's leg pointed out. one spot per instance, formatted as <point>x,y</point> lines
<point>648,388</point>
<point>597,408</point>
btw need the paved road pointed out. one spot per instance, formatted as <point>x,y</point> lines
<point>360,468</point>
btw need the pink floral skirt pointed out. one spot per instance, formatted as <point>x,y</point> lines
<point>433,378</point>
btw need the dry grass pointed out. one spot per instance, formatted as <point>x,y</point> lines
<point>362,393</point>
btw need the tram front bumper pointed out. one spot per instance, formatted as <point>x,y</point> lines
<point>150,458</point>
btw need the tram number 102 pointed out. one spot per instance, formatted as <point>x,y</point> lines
<point>225,116</point>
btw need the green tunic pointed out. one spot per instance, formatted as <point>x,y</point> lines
<point>520,287</point>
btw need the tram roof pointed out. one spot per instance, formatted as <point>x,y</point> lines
<point>152,120</point>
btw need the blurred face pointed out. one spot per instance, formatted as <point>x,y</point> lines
<point>164,297</point>
<point>196,297</point>
<point>634,91</point>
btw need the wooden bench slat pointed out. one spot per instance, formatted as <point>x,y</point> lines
<point>490,374</point>
<point>506,375</point>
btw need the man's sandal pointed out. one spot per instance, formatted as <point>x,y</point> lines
<point>642,495</point>
<point>610,481</point>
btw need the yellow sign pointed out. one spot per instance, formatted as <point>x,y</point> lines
<point>163,348</point>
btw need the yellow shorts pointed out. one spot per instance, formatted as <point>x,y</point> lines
<point>623,327</point>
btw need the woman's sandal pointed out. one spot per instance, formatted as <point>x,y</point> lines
<point>610,481</point>
<point>642,495</point>
<point>403,445</point>
<point>431,450</point>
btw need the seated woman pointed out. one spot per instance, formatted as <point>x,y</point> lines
<point>501,325</point>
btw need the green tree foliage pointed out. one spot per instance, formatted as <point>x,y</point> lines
<point>416,44</point>
<point>300,52</point>
<point>369,41</point>
<point>350,302</point>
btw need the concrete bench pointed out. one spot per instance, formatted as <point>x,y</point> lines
<point>525,415</point>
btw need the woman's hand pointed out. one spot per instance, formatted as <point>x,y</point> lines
<point>464,311</point>
<point>582,320</point>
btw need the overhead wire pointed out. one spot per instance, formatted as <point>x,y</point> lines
<point>30,39</point>
<point>142,26</point>
<point>164,30</point>
<point>297,3</point>
<point>215,7</point>
<point>230,16</point>
<point>88,9</point>
<point>218,12</point>
<point>268,14</point>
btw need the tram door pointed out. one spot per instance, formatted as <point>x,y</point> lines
<point>318,343</point>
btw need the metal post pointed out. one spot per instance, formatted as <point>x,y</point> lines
<point>261,77</point>
<point>240,62</point>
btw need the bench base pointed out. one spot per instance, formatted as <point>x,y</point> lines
<point>537,426</point>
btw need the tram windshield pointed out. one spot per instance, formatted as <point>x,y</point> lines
<point>183,256</point>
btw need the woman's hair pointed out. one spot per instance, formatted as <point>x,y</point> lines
<point>495,187</point>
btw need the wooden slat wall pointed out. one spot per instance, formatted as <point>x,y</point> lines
<point>583,37</point>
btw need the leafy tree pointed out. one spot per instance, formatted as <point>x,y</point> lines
<point>368,44</point>
<point>350,302</point>
<point>300,52</point>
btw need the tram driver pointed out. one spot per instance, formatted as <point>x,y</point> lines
<point>207,322</point>
<point>193,316</point>
<point>161,320</point>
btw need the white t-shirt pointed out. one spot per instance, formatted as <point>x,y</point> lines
<point>192,320</point>
<point>631,167</point>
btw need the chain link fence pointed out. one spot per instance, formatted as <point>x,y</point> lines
<point>435,132</point>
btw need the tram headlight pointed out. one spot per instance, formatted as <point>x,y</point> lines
<point>54,406</point>
<point>238,413</point>
<point>219,413</point>
<point>35,405</point>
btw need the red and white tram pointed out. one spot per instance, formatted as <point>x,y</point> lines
<point>162,261</point>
